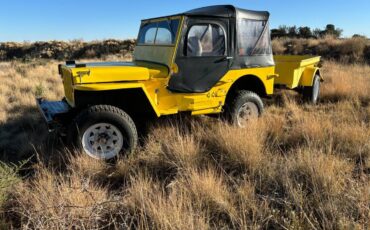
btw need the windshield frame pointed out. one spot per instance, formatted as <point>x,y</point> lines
<point>158,20</point>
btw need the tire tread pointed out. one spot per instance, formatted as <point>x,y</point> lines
<point>96,109</point>
<point>241,95</point>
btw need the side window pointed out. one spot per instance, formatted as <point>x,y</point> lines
<point>253,38</point>
<point>205,40</point>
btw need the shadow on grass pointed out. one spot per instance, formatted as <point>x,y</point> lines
<point>25,136</point>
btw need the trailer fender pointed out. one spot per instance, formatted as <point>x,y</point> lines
<point>308,75</point>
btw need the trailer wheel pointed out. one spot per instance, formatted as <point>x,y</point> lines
<point>311,93</point>
<point>246,106</point>
<point>104,132</point>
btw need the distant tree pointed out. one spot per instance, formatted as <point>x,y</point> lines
<point>275,33</point>
<point>338,32</point>
<point>305,32</point>
<point>359,36</point>
<point>292,31</point>
<point>331,30</point>
<point>316,32</point>
<point>282,31</point>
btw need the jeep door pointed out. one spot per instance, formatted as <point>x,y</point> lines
<point>202,55</point>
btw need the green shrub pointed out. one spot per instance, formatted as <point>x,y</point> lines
<point>39,90</point>
<point>9,176</point>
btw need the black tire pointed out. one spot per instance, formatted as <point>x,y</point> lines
<point>311,94</point>
<point>104,114</point>
<point>240,100</point>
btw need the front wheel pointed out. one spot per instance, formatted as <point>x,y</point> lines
<point>104,132</point>
<point>245,106</point>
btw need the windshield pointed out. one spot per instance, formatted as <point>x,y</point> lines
<point>158,33</point>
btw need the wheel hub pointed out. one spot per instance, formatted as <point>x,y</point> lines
<point>102,141</point>
<point>246,112</point>
<point>103,138</point>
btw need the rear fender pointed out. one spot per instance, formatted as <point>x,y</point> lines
<point>308,76</point>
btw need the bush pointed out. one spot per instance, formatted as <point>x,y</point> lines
<point>328,46</point>
<point>278,46</point>
<point>346,50</point>
<point>367,53</point>
<point>8,179</point>
<point>352,49</point>
<point>61,50</point>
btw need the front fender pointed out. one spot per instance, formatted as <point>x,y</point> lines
<point>118,86</point>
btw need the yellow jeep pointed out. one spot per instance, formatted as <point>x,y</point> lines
<point>211,60</point>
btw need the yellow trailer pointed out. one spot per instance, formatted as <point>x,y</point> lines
<point>296,71</point>
<point>212,60</point>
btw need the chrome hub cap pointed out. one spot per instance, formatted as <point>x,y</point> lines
<point>246,112</point>
<point>102,141</point>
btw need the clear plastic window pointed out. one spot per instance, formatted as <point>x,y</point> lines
<point>161,33</point>
<point>253,37</point>
<point>147,34</point>
<point>166,33</point>
<point>206,40</point>
<point>163,36</point>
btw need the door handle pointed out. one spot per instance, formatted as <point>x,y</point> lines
<point>225,59</point>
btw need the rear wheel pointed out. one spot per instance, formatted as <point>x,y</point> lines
<point>104,132</point>
<point>311,93</point>
<point>246,106</point>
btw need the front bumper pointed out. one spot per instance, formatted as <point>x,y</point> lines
<point>53,112</point>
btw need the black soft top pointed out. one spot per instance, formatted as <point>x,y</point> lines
<point>224,11</point>
<point>228,11</point>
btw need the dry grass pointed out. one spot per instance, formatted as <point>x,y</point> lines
<point>340,83</point>
<point>298,167</point>
<point>18,115</point>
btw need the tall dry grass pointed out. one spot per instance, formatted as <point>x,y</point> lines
<point>298,167</point>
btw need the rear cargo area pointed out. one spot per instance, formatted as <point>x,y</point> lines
<point>290,68</point>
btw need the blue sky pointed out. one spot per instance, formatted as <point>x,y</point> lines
<point>40,20</point>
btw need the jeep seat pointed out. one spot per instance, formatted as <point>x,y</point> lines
<point>194,47</point>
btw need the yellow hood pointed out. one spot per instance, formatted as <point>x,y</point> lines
<point>115,72</point>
